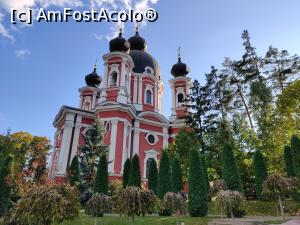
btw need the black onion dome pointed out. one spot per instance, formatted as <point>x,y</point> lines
<point>93,79</point>
<point>119,44</point>
<point>142,60</point>
<point>180,69</point>
<point>137,42</point>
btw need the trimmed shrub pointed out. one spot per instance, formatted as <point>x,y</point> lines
<point>289,163</point>
<point>230,203</point>
<point>218,185</point>
<point>170,204</point>
<point>153,177</point>
<point>164,176</point>
<point>198,197</point>
<point>135,173</point>
<point>295,145</point>
<point>230,171</point>
<point>101,179</point>
<point>148,202</point>
<point>44,205</point>
<point>260,172</point>
<point>177,183</point>
<point>126,172</point>
<point>98,205</point>
<point>73,172</point>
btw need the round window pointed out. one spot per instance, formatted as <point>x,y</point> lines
<point>151,138</point>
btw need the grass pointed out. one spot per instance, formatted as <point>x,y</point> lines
<point>147,220</point>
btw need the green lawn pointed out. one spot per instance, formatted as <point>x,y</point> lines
<point>147,220</point>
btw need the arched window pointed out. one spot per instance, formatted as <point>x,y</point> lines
<point>148,97</point>
<point>180,98</point>
<point>148,166</point>
<point>113,79</point>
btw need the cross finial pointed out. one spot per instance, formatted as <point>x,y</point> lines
<point>95,65</point>
<point>137,27</point>
<point>121,28</point>
<point>179,55</point>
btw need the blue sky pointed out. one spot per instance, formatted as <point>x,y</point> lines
<point>42,66</point>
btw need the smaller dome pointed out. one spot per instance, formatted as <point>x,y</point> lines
<point>119,44</point>
<point>93,79</point>
<point>137,42</point>
<point>180,69</point>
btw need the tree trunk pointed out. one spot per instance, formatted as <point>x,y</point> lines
<point>245,105</point>
<point>281,208</point>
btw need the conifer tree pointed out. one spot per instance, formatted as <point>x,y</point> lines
<point>135,172</point>
<point>101,179</point>
<point>177,183</point>
<point>164,175</point>
<point>73,172</point>
<point>260,172</point>
<point>126,172</point>
<point>230,171</point>
<point>288,159</point>
<point>4,186</point>
<point>295,145</point>
<point>198,196</point>
<point>153,176</point>
<point>204,167</point>
<point>91,151</point>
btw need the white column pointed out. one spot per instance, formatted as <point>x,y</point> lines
<point>81,101</point>
<point>135,87</point>
<point>76,137</point>
<point>65,145</point>
<point>112,146</point>
<point>129,141</point>
<point>94,99</point>
<point>140,91</point>
<point>124,149</point>
<point>136,138</point>
<point>156,96</point>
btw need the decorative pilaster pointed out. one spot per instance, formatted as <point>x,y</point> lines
<point>112,147</point>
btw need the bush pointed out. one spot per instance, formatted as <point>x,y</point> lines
<point>148,202</point>
<point>170,204</point>
<point>218,185</point>
<point>44,205</point>
<point>230,203</point>
<point>260,171</point>
<point>73,171</point>
<point>153,176</point>
<point>295,146</point>
<point>132,201</point>
<point>98,205</point>
<point>289,163</point>
<point>177,183</point>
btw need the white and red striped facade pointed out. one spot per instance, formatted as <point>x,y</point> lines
<point>129,105</point>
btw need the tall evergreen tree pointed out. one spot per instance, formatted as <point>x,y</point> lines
<point>177,183</point>
<point>73,171</point>
<point>260,172</point>
<point>198,196</point>
<point>204,167</point>
<point>289,163</point>
<point>153,176</point>
<point>164,176</point>
<point>230,172</point>
<point>92,149</point>
<point>4,186</point>
<point>126,172</point>
<point>135,172</point>
<point>295,145</point>
<point>101,179</point>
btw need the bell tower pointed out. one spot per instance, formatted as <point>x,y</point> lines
<point>180,87</point>
<point>118,65</point>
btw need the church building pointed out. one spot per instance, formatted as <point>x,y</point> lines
<point>127,100</point>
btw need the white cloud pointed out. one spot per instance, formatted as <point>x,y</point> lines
<point>22,53</point>
<point>97,36</point>
<point>60,3</point>
<point>3,31</point>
